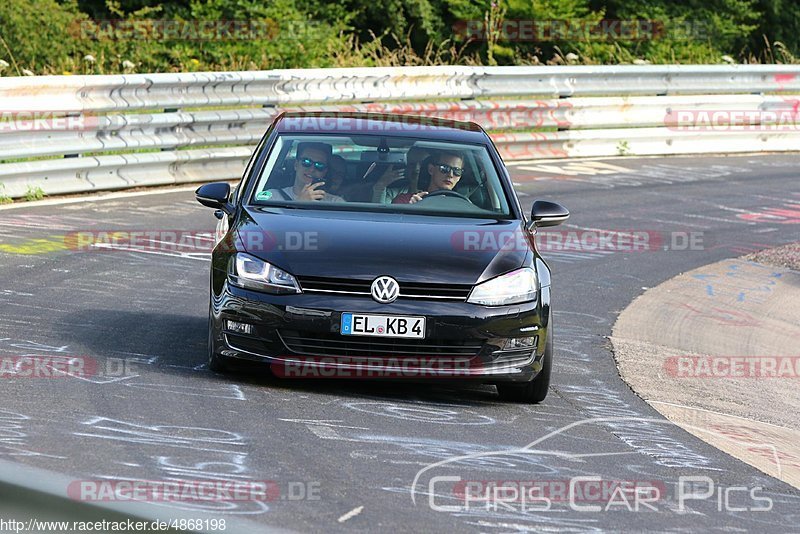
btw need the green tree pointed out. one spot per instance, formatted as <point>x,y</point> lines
<point>779,21</point>
<point>39,35</point>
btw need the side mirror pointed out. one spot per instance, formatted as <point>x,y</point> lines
<point>216,196</point>
<point>545,213</point>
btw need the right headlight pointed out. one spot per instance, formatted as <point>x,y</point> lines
<point>250,272</point>
<point>510,288</point>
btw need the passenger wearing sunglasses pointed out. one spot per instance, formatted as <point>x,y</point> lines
<point>444,171</point>
<point>310,169</point>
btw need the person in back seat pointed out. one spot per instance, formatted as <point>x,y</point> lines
<point>337,175</point>
<point>387,187</point>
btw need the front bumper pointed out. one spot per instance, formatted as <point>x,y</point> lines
<point>299,336</point>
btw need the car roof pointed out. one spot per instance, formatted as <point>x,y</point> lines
<point>387,124</point>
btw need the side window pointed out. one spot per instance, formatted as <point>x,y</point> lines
<point>473,182</point>
<point>272,172</point>
<point>239,191</point>
<point>487,193</point>
<point>282,174</point>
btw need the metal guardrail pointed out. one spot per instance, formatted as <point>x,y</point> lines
<point>154,122</point>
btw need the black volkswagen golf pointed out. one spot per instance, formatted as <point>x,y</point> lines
<point>381,246</point>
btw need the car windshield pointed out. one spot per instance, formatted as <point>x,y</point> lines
<point>374,172</point>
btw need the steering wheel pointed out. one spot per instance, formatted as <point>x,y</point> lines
<point>446,193</point>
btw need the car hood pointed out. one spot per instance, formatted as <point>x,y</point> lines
<point>364,245</point>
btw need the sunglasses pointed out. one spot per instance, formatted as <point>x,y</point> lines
<point>318,165</point>
<point>447,169</point>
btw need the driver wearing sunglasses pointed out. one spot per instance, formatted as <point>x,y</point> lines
<point>445,170</point>
<point>310,170</point>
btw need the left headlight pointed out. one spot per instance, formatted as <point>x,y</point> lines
<point>250,272</point>
<point>510,288</point>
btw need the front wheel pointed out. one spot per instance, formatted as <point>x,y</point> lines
<point>216,363</point>
<point>535,391</point>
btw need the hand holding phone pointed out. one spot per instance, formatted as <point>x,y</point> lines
<point>312,191</point>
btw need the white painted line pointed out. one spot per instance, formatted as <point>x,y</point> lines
<point>718,219</point>
<point>99,198</point>
<point>349,515</point>
<point>174,244</point>
<point>513,163</point>
<point>201,256</point>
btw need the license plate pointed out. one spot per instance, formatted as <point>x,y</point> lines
<point>354,324</point>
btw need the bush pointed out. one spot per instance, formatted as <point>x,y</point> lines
<point>61,39</point>
<point>37,35</point>
<point>69,36</point>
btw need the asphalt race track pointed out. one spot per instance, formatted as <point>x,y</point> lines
<point>346,454</point>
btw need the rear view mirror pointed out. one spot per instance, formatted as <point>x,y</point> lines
<point>216,196</point>
<point>383,157</point>
<point>546,213</point>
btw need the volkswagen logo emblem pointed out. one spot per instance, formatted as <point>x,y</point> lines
<point>385,289</point>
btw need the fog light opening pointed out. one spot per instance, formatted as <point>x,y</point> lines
<point>239,328</point>
<point>516,343</point>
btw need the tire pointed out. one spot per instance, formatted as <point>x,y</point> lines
<point>216,363</point>
<point>535,391</point>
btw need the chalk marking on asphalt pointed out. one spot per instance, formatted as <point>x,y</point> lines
<point>96,380</point>
<point>652,220</point>
<point>605,230</point>
<point>173,244</point>
<point>351,514</point>
<point>322,422</point>
<point>33,345</point>
<point>26,452</point>
<point>520,527</point>
<point>770,198</point>
<point>233,391</point>
<point>725,208</point>
<point>17,293</point>
<point>588,168</point>
<point>718,219</point>
<point>188,255</point>
<point>324,432</point>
